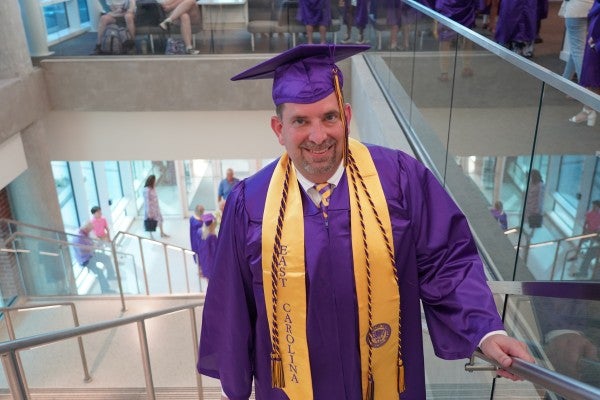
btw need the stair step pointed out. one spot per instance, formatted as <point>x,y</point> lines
<point>210,393</point>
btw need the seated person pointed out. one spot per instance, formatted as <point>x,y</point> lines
<point>87,256</point>
<point>186,13</point>
<point>119,10</point>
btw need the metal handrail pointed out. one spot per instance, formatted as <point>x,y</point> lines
<point>551,380</point>
<point>164,245</point>
<point>12,336</point>
<point>66,243</point>
<point>574,290</point>
<point>39,228</point>
<point>558,243</point>
<point>9,350</point>
<point>565,85</point>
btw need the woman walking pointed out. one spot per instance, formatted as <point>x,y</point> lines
<point>151,206</point>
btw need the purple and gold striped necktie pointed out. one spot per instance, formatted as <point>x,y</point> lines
<point>324,190</point>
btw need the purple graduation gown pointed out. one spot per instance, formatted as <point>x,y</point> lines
<point>517,21</point>
<point>437,263</point>
<point>314,12</point>
<point>206,254</point>
<point>195,235</point>
<point>461,11</point>
<point>361,13</point>
<point>590,72</point>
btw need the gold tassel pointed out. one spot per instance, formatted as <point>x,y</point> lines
<point>277,379</point>
<point>401,382</point>
<point>371,388</point>
<point>340,99</point>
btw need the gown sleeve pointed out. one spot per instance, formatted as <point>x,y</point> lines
<point>459,307</point>
<point>227,335</point>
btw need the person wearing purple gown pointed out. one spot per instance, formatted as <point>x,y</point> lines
<point>355,14</point>
<point>590,70</point>
<point>207,245</point>
<point>286,308</point>
<point>542,13</point>
<point>463,12</point>
<point>315,13</point>
<point>515,24</point>
<point>196,230</point>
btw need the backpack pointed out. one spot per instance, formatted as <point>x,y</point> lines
<point>113,40</point>
<point>149,14</point>
<point>175,46</point>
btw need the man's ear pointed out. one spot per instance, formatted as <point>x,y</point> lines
<point>277,127</point>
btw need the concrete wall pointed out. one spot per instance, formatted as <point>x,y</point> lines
<point>158,83</point>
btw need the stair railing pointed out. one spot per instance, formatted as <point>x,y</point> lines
<point>16,378</point>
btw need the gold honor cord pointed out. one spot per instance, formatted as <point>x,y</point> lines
<point>355,174</point>
<point>284,283</point>
<point>278,380</point>
<point>354,170</point>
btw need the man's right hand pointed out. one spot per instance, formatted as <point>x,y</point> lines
<point>565,351</point>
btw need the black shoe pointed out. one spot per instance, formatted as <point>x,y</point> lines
<point>97,50</point>
<point>128,45</point>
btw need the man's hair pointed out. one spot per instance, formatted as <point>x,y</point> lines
<point>596,203</point>
<point>279,110</point>
<point>95,209</point>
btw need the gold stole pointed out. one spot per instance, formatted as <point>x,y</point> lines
<point>284,280</point>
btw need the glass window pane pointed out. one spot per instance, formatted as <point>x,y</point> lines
<point>113,180</point>
<point>89,180</point>
<point>569,179</point>
<point>64,189</point>
<point>56,17</point>
<point>84,15</point>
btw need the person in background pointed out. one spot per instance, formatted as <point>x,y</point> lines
<point>534,205</point>
<point>591,225</point>
<point>542,13</point>
<point>196,223</point>
<point>119,10</point>
<point>87,256</point>
<point>355,14</point>
<point>499,215</point>
<point>208,245</point>
<point>575,14</point>
<point>288,310</point>
<point>590,70</point>
<point>226,185</point>
<point>463,12</point>
<point>100,225</point>
<point>219,213</point>
<point>186,13</point>
<point>514,23</point>
<point>315,13</point>
<point>151,206</point>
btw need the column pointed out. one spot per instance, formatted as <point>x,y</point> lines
<point>15,61</point>
<point>35,27</point>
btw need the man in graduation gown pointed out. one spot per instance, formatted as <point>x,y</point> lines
<point>356,259</point>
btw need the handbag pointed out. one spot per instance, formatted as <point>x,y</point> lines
<point>535,220</point>
<point>150,224</point>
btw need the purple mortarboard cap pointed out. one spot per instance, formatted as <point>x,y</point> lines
<point>303,74</point>
<point>208,218</point>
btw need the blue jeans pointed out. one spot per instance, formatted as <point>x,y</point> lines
<point>575,36</point>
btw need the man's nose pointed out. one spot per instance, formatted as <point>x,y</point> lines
<point>318,133</point>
